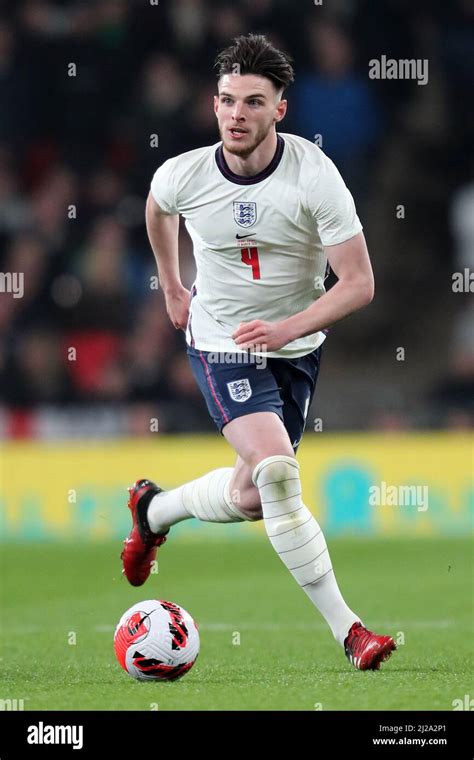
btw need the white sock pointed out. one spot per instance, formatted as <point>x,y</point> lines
<point>206,498</point>
<point>299,541</point>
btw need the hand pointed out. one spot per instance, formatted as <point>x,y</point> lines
<point>262,336</point>
<point>177,306</point>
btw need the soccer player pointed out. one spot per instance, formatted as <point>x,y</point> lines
<point>266,212</point>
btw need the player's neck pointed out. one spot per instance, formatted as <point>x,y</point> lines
<point>258,160</point>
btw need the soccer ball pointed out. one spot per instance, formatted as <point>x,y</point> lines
<point>156,641</point>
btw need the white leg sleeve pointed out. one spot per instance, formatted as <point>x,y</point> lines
<point>206,498</point>
<point>299,541</point>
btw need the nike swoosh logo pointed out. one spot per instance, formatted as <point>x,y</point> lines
<point>239,237</point>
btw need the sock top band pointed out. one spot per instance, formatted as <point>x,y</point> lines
<point>270,460</point>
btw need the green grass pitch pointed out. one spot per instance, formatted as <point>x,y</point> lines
<point>417,590</point>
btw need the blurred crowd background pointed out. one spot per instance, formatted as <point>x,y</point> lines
<point>83,142</point>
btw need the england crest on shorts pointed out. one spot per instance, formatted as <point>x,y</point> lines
<point>240,390</point>
<point>245,214</point>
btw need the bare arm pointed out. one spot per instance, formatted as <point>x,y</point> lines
<point>163,235</point>
<point>355,288</point>
<point>162,232</point>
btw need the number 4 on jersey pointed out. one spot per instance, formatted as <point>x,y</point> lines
<point>250,257</point>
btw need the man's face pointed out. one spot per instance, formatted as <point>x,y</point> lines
<point>247,107</point>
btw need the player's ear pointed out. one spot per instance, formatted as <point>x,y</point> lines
<point>281,110</point>
<point>216,103</point>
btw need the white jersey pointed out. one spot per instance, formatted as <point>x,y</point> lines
<point>258,241</point>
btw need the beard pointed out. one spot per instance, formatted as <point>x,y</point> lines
<point>244,151</point>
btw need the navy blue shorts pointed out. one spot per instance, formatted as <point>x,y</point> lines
<point>236,387</point>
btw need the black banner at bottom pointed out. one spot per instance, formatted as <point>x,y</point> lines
<point>376,734</point>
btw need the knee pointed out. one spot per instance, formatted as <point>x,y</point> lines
<point>253,512</point>
<point>276,461</point>
<point>249,504</point>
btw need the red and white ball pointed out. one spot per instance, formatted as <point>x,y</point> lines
<point>156,640</point>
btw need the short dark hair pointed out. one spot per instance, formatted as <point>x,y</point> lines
<point>254,54</point>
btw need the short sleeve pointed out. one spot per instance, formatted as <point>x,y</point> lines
<point>332,206</point>
<point>163,187</point>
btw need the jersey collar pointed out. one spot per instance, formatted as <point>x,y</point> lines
<point>237,178</point>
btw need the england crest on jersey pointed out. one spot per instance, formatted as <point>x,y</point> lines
<point>240,390</point>
<point>245,213</point>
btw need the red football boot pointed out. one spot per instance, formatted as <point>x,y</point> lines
<point>365,650</point>
<point>141,544</point>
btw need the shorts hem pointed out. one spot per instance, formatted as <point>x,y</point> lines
<point>222,425</point>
